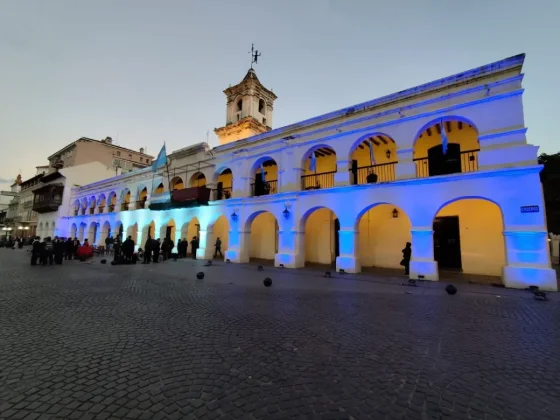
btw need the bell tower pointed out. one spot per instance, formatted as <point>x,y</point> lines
<point>249,109</point>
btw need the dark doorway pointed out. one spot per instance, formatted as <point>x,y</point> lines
<point>336,238</point>
<point>120,234</point>
<point>168,232</point>
<point>354,171</point>
<point>259,185</point>
<point>220,190</point>
<point>447,243</point>
<point>444,164</point>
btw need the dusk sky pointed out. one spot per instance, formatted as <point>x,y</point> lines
<point>145,72</point>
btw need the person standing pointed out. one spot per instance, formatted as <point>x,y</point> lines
<point>68,249</point>
<point>35,250</point>
<point>148,250</point>
<point>48,251</point>
<point>156,246</point>
<point>165,249</point>
<point>194,246</point>
<point>406,253</point>
<point>58,250</point>
<point>76,245</point>
<point>218,248</point>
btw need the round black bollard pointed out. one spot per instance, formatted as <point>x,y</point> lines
<point>113,263</point>
<point>267,282</point>
<point>328,274</point>
<point>200,275</point>
<point>103,261</point>
<point>450,289</point>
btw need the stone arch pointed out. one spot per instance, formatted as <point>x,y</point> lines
<point>322,176</point>
<point>221,229</point>
<point>104,233</point>
<point>431,157</point>
<point>112,200</point>
<point>190,228</point>
<point>469,236</point>
<point>198,179</point>
<point>142,197</point>
<point>168,230</point>
<point>82,232</point>
<point>118,230</point>
<point>383,230</point>
<point>176,183</point>
<point>223,180</point>
<point>263,228</point>
<point>101,202</point>
<point>148,230</point>
<point>160,189</point>
<point>73,231</point>
<point>267,184</point>
<point>132,231</point>
<point>364,169</point>
<point>92,233</point>
<point>321,226</point>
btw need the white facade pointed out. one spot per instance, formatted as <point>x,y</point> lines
<point>47,223</point>
<point>477,207</point>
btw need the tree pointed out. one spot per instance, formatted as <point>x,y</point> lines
<point>550,178</point>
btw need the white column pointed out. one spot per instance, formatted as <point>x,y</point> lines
<point>238,246</point>
<point>205,249</point>
<point>528,260</point>
<point>422,264</point>
<point>342,175</point>
<point>291,249</point>
<point>348,247</point>
<point>405,168</point>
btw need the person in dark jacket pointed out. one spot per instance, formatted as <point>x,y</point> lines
<point>47,252</point>
<point>406,254</point>
<point>35,250</point>
<point>128,249</point>
<point>165,249</point>
<point>194,247</point>
<point>69,249</point>
<point>183,248</point>
<point>156,247</point>
<point>148,250</point>
<point>58,250</point>
<point>218,248</point>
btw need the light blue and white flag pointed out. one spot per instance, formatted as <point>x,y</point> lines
<point>161,160</point>
<point>263,173</point>
<point>443,138</point>
<point>371,152</point>
<point>313,163</point>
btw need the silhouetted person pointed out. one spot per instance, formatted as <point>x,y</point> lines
<point>156,244</point>
<point>148,250</point>
<point>406,254</point>
<point>194,247</point>
<point>128,248</point>
<point>69,249</point>
<point>35,250</point>
<point>218,248</point>
<point>48,252</point>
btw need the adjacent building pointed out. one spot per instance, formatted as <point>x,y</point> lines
<point>85,150</point>
<point>445,166</point>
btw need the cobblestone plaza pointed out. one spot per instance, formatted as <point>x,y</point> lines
<point>93,341</point>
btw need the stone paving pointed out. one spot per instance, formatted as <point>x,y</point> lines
<point>92,341</point>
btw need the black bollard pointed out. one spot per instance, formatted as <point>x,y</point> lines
<point>103,261</point>
<point>328,274</point>
<point>450,289</point>
<point>200,275</point>
<point>267,282</point>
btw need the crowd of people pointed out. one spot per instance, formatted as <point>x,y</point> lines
<point>58,249</point>
<point>55,250</point>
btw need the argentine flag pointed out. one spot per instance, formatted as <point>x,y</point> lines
<point>161,159</point>
<point>443,138</point>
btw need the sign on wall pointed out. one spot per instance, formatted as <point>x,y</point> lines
<point>530,209</point>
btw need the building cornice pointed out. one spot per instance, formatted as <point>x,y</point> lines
<point>440,84</point>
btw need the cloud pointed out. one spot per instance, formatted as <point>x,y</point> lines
<point>6,180</point>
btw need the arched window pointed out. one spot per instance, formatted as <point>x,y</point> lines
<point>261,106</point>
<point>240,105</point>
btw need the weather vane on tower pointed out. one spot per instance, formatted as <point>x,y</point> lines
<point>255,54</point>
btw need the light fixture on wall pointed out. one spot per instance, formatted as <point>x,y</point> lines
<point>395,214</point>
<point>234,215</point>
<point>286,211</point>
<point>388,154</point>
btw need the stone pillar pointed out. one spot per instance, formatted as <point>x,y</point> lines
<point>342,175</point>
<point>238,247</point>
<point>422,262</point>
<point>406,168</point>
<point>138,240</point>
<point>291,249</point>
<point>348,247</point>
<point>205,249</point>
<point>528,260</point>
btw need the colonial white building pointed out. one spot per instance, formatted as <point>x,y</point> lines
<point>450,171</point>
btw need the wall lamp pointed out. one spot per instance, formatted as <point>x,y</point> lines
<point>234,215</point>
<point>388,154</point>
<point>286,211</point>
<point>395,214</point>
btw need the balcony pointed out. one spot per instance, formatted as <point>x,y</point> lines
<point>185,197</point>
<point>372,174</point>
<point>91,210</point>
<point>451,163</point>
<point>317,181</point>
<point>100,209</point>
<point>48,198</point>
<point>124,206</point>
<point>264,188</point>
<point>141,204</point>
<point>111,208</point>
<point>222,194</point>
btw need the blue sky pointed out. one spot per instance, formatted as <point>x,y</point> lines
<point>147,71</point>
